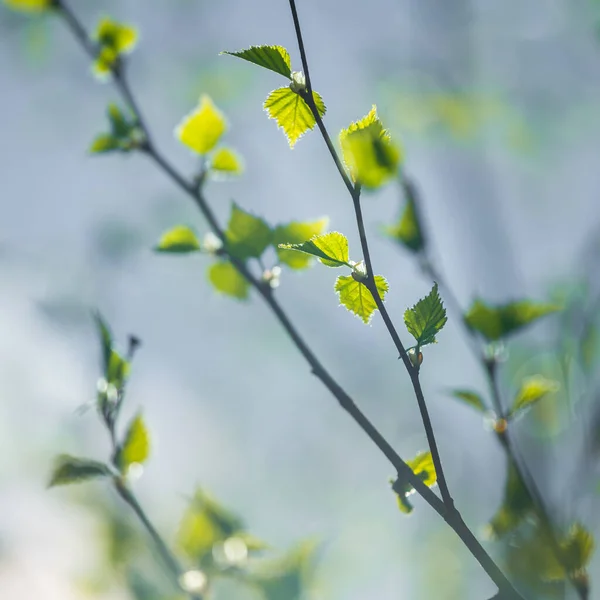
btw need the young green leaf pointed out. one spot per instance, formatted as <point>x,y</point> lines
<point>291,112</point>
<point>471,398</point>
<point>247,235</point>
<point>495,322</point>
<point>226,162</point>
<point>274,58</point>
<point>368,151</point>
<point>422,466</point>
<point>357,298</point>
<point>118,369</point>
<point>114,39</point>
<point>104,143</point>
<point>30,6</point>
<point>408,231</point>
<point>330,248</point>
<point>178,240</point>
<point>227,280</point>
<point>136,446</point>
<point>106,342</point>
<point>119,125</point>
<point>204,523</point>
<point>295,233</point>
<point>532,390</point>
<point>201,130</point>
<point>70,469</point>
<point>426,318</point>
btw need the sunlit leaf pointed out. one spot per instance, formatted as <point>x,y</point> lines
<point>118,369</point>
<point>274,58</point>
<point>471,398</point>
<point>426,318</point>
<point>408,231</point>
<point>357,298</point>
<point>368,151</point>
<point>106,342</point>
<point>296,233</point>
<point>203,127</point>
<point>29,6</point>
<point>247,235</point>
<point>119,125</point>
<point>70,469</point>
<point>330,248</point>
<point>422,466</point>
<point>204,523</point>
<point>291,112</point>
<point>104,143</point>
<point>495,322</point>
<point>532,390</point>
<point>516,505</point>
<point>179,239</point>
<point>136,446</point>
<point>226,161</point>
<point>114,39</point>
<point>227,280</point>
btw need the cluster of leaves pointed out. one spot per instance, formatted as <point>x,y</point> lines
<point>124,134</point>
<point>113,40</point>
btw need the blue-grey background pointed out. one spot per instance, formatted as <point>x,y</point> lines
<point>496,107</point>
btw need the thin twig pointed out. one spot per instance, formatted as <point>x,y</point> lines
<point>404,472</point>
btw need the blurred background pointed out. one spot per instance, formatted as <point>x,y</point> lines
<point>496,106</point>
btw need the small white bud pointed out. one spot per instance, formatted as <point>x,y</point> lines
<point>211,243</point>
<point>298,83</point>
<point>193,581</point>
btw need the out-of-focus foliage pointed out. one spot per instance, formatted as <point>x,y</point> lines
<point>408,230</point>
<point>70,469</point>
<point>180,239</point>
<point>422,466</point>
<point>30,6</point>
<point>114,39</point>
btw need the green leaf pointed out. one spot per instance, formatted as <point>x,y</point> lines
<point>178,240</point>
<point>119,125</point>
<point>330,248</point>
<point>495,322</point>
<point>247,235</point>
<point>114,39</point>
<point>291,112</point>
<point>357,298</point>
<point>201,130</point>
<point>30,6</point>
<point>426,318</point>
<point>136,446</point>
<point>226,161</point>
<point>517,505</point>
<point>204,523</point>
<point>295,233</point>
<point>105,340</point>
<point>104,143</point>
<point>368,151</point>
<point>118,369</point>
<point>70,469</point>
<point>227,280</point>
<point>422,466</point>
<point>274,58</point>
<point>532,390</point>
<point>471,398</point>
<point>577,547</point>
<point>408,231</point>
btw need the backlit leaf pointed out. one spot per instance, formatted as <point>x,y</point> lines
<point>114,39</point>
<point>106,342</point>
<point>296,233</point>
<point>532,390</point>
<point>408,230</point>
<point>426,318</point>
<point>247,235</point>
<point>357,298</point>
<point>471,398</point>
<point>330,248</point>
<point>29,6</point>
<point>291,112</point>
<point>136,446</point>
<point>496,321</point>
<point>227,280</point>
<point>104,143</point>
<point>70,469</point>
<point>274,58</point>
<point>226,161</point>
<point>179,239</point>
<point>203,127</point>
<point>422,466</point>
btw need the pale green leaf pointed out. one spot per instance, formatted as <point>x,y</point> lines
<point>471,398</point>
<point>368,152</point>
<point>30,6</point>
<point>274,58</point>
<point>497,321</point>
<point>357,298</point>
<point>532,390</point>
<point>426,318</point>
<point>330,248</point>
<point>178,240</point>
<point>247,235</point>
<point>291,112</point>
<point>104,143</point>
<point>408,231</point>
<point>226,161</point>
<point>136,446</point>
<point>227,280</point>
<point>296,233</point>
<point>203,127</point>
<point>422,466</point>
<point>70,469</point>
